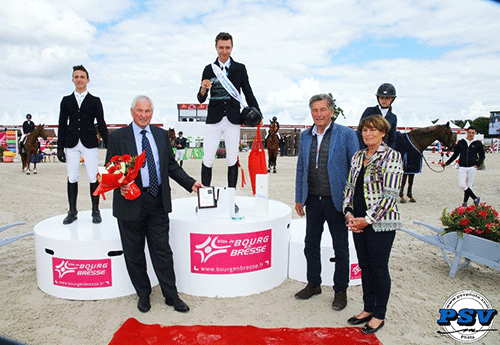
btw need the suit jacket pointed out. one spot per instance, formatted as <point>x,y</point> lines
<point>81,122</point>
<point>218,108</point>
<point>122,142</point>
<point>343,145</point>
<point>28,127</point>
<point>381,184</point>
<point>390,139</point>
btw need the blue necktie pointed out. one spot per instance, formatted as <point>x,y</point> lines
<point>153,177</point>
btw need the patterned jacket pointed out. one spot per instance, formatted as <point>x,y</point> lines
<point>382,182</point>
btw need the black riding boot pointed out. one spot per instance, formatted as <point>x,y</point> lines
<point>96,214</point>
<point>206,175</point>
<point>232,175</point>
<point>72,194</point>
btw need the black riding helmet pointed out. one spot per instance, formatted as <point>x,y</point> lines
<point>386,90</point>
<point>251,116</point>
<point>28,116</point>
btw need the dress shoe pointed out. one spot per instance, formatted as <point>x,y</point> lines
<point>143,304</point>
<point>355,321</point>
<point>340,300</point>
<point>70,218</point>
<point>309,291</point>
<point>368,330</point>
<point>177,303</point>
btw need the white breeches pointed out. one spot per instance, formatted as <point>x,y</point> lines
<point>179,154</point>
<point>73,162</point>
<point>213,133</point>
<point>466,177</point>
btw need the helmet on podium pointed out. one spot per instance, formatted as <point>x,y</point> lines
<point>251,116</point>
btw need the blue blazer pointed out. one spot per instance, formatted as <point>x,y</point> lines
<point>343,145</point>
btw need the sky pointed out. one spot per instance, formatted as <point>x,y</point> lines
<point>443,56</point>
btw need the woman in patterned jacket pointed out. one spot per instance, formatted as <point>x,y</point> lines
<point>372,215</point>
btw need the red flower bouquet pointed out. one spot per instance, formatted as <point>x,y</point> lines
<point>120,171</point>
<point>481,220</point>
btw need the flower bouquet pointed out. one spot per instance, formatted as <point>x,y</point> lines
<point>481,220</point>
<point>120,171</point>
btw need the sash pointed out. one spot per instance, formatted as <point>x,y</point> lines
<point>226,83</point>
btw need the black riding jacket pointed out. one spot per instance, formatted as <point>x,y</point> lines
<point>470,155</point>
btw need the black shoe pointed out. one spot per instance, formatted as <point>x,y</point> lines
<point>70,218</point>
<point>96,217</point>
<point>340,300</point>
<point>368,330</point>
<point>177,303</point>
<point>309,291</point>
<point>143,304</point>
<point>355,321</point>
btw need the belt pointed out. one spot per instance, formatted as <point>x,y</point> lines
<point>148,189</point>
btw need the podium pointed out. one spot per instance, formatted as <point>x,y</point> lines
<point>224,257</point>
<point>82,260</point>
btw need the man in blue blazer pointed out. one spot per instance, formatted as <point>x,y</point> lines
<point>77,137</point>
<point>323,166</point>
<point>223,115</point>
<point>147,216</point>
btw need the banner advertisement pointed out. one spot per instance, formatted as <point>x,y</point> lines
<point>82,273</point>
<point>230,253</point>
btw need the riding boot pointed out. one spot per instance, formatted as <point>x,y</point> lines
<point>206,175</point>
<point>232,175</point>
<point>72,194</point>
<point>96,214</point>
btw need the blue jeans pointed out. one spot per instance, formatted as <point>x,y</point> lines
<point>318,210</point>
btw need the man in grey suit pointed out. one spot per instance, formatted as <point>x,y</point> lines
<point>323,166</point>
<point>146,218</point>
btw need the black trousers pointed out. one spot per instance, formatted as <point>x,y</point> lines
<point>374,249</point>
<point>318,210</point>
<point>153,226</point>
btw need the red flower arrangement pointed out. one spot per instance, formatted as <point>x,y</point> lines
<point>120,171</point>
<point>481,220</point>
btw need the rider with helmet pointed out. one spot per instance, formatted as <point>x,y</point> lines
<point>386,94</point>
<point>28,127</point>
<point>223,115</point>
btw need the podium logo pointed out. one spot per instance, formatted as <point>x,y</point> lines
<point>210,248</point>
<point>466,316</point>
<point>230,253</point>
<point>64,268</point>
<point>81,273</point>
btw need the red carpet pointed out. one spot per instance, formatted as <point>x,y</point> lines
<point>132,332</point>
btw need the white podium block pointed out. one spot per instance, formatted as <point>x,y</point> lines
<point>261,195</point>
<point>227,257</point>
<point>82,260</point>
<point>297,268</point>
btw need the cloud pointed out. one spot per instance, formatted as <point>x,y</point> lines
<point>441,56</point>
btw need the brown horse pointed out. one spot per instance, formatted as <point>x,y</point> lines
<point>172,136</point>
<point>273,144</point>
<point>412,145</point>
<point>32,147</point>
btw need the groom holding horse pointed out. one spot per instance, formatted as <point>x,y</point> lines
<point>77,137</point>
